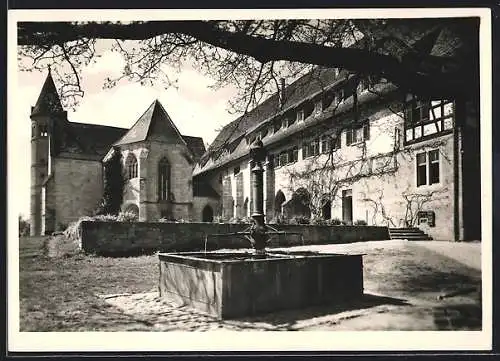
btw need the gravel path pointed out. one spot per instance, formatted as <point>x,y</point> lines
<point>394,299</point>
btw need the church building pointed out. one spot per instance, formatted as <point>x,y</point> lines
<point>67,165</point>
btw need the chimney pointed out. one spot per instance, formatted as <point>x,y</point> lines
<point>282,92</point>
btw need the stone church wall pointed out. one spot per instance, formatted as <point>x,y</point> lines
<point>78,186</point>
<point>199,203</point>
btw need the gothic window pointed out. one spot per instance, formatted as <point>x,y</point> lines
<point>163,179</point>
<point>131,166</point>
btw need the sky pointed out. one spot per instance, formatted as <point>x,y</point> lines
<point>195,109</point>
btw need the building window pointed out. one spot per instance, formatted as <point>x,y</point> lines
<point>236,170</point>
<point>421,169</point>
<point>293,155</point>
<point>326,144</point>
<point>425,119</point>
<point>357,135</point>
<point>434,166</point>
<point>329,143</point>
<point>340,96</point>
<point>43,131</point>
<point>314,147</point>
<point>276,161</point>
<point>310,149</point>
<point>318,107</point>
<point>131,166</point>
<point>300,115</point>
<point>363,85</point>
<point>283,158</point>
<point>277,125</point>
<point>163,179</point>
<point>428,168</point>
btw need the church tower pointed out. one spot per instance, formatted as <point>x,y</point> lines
<point>44,115</point>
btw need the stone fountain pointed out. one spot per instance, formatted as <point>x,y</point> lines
<point>236,284</point>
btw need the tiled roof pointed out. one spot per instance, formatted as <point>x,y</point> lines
<point>48,101</point>
<point>154,124</point>
<point>87,139</point>
<point>195,145</point>
<point>313,82</point>
<point>203,189</point>
<point>342,110</point>
<point>434,34</point>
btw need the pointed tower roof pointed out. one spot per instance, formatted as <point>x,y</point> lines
<point>48,101</point>
<point>154,124</point>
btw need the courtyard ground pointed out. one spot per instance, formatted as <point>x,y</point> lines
<point>404,283</point>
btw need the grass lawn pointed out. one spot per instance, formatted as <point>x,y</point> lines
<point>62,293</point>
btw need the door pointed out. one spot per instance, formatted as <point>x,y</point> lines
<point>347,206</point>
<point>208,214</point>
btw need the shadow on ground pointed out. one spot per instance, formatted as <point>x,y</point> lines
<point>289,319</point>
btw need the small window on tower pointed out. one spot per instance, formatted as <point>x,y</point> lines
<point>43,130</point>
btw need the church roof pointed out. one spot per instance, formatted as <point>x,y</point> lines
<point>91,139</point>
<point>48,101</point>
<point>204,189</point>
<point>154,124</point>
<point>195,145</point>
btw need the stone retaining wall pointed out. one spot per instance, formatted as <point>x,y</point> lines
<point>116,238</point>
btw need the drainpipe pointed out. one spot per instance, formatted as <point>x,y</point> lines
<point>459,114</point>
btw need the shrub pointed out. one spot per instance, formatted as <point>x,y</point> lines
<point>238,220</point>
<point>24,227</point>
<point>127,217</point>
<point>219,219</point>
<point>335,222</point>
<point>171,220</point>
<point>360,222</point>
<point>103,218</point>
<point>279,219</point>
<point>300,220</point>
<point>319,221</point>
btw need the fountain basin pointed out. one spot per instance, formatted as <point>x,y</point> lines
<point>238,284</point>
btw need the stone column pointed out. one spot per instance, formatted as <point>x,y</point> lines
<point>143,179</point>
<point>258,233</point>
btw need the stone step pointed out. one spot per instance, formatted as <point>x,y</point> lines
<point>414,234</point>
<point>407,234</point>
